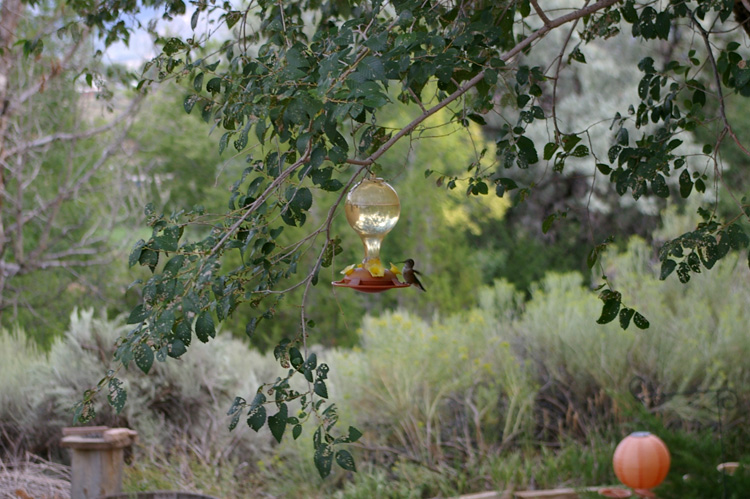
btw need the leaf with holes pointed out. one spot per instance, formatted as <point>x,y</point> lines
<point>277,423</point>
<point>204,327</point>
<point>323,459</point>
<point>667,267</point>
<point>256,416</point>
<point>625,315</point>
<point>320,388</point>
<point>640,321</point>
<point>609,311</point>
<point>345,460</point>
<point>144,357</point>
<point>117,395</point>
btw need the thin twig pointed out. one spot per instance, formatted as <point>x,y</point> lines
<point>557,79</point>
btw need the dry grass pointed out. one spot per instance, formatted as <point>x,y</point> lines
<point>34,478</point>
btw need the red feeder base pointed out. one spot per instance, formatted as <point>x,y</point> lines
<point>361,280</point>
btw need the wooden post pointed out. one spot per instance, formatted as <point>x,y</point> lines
<point>97,459</point>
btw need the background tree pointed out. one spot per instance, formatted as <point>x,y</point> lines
<point>60,134</point>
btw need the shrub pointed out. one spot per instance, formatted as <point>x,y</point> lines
<point>179,408</point>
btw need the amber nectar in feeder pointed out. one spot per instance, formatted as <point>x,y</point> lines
<point>372,209</point>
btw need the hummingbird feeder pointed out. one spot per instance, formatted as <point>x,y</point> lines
<point>372,209</point>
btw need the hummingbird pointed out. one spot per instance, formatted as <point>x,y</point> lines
<point>410,274</point>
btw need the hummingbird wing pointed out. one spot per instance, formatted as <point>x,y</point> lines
<point>419,284</point>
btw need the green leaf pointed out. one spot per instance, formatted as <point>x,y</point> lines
<point>183,331</point>
<point>609,311</point>
<point>194,19</point>
<point>527,150</point>
<point>659,186</point>
<point>604,168</point>
<point>296,431</point>
<point>214,85</point>
<point>737,237</point>
<point>625,315</point>
<point>522,100</point>
<point>84,410</point>
<point>138,315</point>
<point>476,118</point>
<point>640,321</point>
<point>331,185</point>
<point>318,437</point>
<point>323,459</point>
<point>234,421</point>
<point>320,388</point>
<point>144,357</point>
<point>354,434</point>
<point>686,184</point>
<point>577,55</point>
<point>699,97</point>
<point>164,322</point>
<point>117,395</point>
<point>224,141</point>
<point>742,78</point>
<point>198,82</point>
<point>667,267</point>
<point>345,460</point>
<point>232,17</point>
<point>683,272</point>
<point>173,266</point>
<point>299,199</point>
<point>135,254</point>
<point>592,257</point>
<point>251,326</point>
<point>190,102</point>
<point>256,416</point>
<point>177,348</point>
<point>204,327</point>
<point>277,422</point>
<point>149,258</point>
<point>694,262</point>
<point>580,152</point>
<point>549,150</point>
<point>569,142</point>
<point>613,152</point>
<point>173,45</point>
<point>490,76</point>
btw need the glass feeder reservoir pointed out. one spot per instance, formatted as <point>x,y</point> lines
<point>372,209</point>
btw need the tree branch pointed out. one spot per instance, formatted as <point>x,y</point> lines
<point>42,141</point>
<point>540,12</point>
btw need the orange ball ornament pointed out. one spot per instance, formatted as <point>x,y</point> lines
<point>641,460</point>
